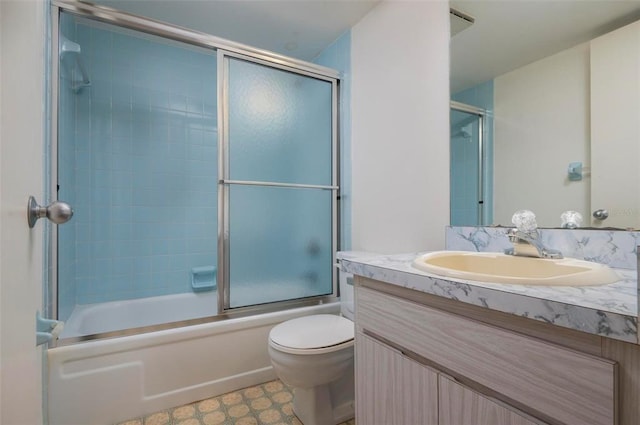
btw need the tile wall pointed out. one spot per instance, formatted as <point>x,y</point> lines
<point>66,180</point>
<point>138,159</point>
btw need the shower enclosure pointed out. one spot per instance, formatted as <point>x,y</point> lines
<point>200,171</point>
<point>470,183</point>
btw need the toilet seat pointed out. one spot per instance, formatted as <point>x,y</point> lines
<point>316,334</point>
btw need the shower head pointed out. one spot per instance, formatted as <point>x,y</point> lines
<point>67,46</point>
<point>462,131</point>
<point>459,21</point>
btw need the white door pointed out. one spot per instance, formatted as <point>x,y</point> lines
<point>22,25</point>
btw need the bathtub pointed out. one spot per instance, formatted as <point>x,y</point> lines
<point>89,319</point>
<point>112,380</point>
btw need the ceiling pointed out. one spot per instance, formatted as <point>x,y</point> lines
<point>508,34</point>
<point>296,28</point>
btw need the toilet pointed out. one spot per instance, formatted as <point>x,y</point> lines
<point>314,355</point>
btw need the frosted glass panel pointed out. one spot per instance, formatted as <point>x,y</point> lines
<point>279,125</point>
<point>279,244</point>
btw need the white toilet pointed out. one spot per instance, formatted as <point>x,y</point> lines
<point>314,355</point>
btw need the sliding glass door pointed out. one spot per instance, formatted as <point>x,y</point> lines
<point>278,183</point>
<point>468,167</point>
<point>203,174</point>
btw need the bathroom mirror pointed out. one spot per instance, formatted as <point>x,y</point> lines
<point>557,99</point>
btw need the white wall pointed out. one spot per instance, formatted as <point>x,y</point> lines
<point>541,124</point>
<point>400,127</point>
<point>615,127</point>
<point>21,162</point>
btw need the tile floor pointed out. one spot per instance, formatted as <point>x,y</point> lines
<point>265,404</point>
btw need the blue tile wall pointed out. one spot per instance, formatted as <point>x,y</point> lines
<point>66,161</point>
<point>143,171</point>
<point>338,56</point>
<point>465,177</point>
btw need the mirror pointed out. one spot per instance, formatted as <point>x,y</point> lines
<point>553,89</point>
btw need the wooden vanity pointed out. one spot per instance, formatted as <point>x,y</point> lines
<point>425,359</point>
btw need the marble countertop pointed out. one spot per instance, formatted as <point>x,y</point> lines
<point>608,310</point>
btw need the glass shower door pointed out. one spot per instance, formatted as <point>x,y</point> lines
<point>467,163</point>
<point>278,183</point>
<point>137,157</point>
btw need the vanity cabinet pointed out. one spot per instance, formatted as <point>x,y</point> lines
<point>483,374</point>
<point>393,389</point>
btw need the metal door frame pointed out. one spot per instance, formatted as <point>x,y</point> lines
<point>224,181</point>
<point>482,123</point>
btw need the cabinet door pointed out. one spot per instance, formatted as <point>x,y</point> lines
<point>459,405</point>
<point>392,389</point>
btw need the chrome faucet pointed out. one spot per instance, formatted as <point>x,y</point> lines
<point>526,239</point>
<point>528,244</point>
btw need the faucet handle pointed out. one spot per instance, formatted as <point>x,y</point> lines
<point>525,221</point>
<point>570,220</point>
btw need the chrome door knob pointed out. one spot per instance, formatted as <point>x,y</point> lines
<point>600,214</point>
<point>57,212</point>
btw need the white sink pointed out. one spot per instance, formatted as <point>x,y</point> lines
<point>501,268</point>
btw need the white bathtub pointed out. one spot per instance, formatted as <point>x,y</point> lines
<point>90,319</point>
<point>111,380</point>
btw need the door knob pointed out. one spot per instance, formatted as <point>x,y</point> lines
<point>57,212</point>
<point>600,214</point>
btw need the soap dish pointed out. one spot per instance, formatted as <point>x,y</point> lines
<point>203,278</point>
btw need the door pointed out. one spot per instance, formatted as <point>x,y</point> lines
<point>279,184</point>
<point>468,167</point>
<point>22,26</point>
<point>461,406</point>
<point>392,388</point>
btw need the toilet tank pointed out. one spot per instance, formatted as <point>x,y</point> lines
<point>346,294</point>
<point>345,281</point>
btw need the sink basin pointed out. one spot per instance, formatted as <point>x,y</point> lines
<point>500,268</point>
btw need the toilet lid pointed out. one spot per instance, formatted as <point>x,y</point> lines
<point>310,332</point>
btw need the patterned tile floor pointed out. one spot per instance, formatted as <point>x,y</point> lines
<point>265,404</point>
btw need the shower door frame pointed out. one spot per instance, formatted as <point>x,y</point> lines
<point>482,123</point>
<point>224,304</point>
<point>224,48</point>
